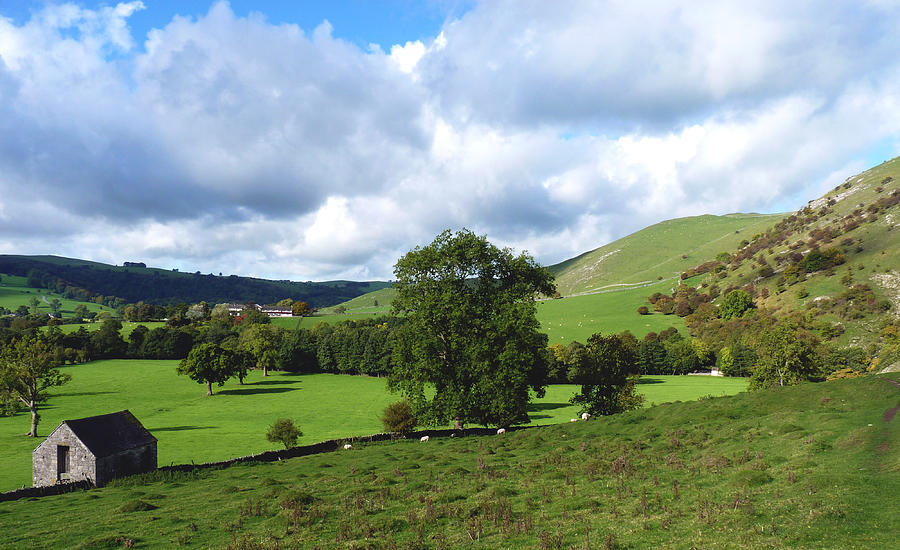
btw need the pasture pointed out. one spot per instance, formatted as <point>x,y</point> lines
<point>15,292</point>
<point>812,466</point>
<point>193,427</point>
<point>578,317</point>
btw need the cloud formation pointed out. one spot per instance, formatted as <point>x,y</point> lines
<point>229,144</point>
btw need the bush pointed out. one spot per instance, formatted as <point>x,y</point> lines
<point>284,431</point>
<point>643,310</point>
<point>398,417</point>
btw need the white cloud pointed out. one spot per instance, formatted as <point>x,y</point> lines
<point>231,144</point>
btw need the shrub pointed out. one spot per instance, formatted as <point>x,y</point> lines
<point>643,310</point>
<point>398,417</point>
<point>284,431</point>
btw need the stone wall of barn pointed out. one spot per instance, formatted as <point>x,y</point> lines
<point>133,461</point>
<point>81,466</point>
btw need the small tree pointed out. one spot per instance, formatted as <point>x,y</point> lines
<point>28,367</point>
<point>284,431</point>
<point>606,374</point>
<point>398,417</point>
<point>735,304</point>
<point>787,355</point>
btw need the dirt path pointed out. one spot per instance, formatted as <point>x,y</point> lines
<point>889,414</point>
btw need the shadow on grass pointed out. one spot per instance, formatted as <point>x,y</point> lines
<point>644,380</point>
<point>271,382</point>
<point>545,407</point>
<point>253,391</point>
<point>82,393</point>
<point>180,428</point>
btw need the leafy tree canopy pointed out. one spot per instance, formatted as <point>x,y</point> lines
<point>607,374</point>
<point>470,349</point>
<point>28,367</point>
<point>735,304</point>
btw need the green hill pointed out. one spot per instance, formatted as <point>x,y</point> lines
<point>662,250</point>
<point>837,260</point>
<point>15,292</point>
<point>83,279</point>
<point>812,466</point>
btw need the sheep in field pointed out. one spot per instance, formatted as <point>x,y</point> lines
<point>501,431</point>
<point>585,416</point>
<point>573,420</point>
<point>347,447</point>
<point>424,438</point>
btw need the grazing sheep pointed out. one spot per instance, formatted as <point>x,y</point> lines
<point>347,447</point>
<point>501,431</point>
<point>585,416</point>
<point>424,438</point>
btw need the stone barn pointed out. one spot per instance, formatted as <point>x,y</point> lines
<point>98,449</point>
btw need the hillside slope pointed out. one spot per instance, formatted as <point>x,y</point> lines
<point>163,286</point>
<point>813,466</point>
<point>661,250</point>
<point>837,260</point>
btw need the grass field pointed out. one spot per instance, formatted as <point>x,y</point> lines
<point>812,466</point>
<point>662,250</point>
<point>15,292</point>
<point>578,317</point>
<point>192,427</point>
<point>563,320</point>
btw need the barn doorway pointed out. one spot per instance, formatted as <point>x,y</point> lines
<point>62,462</point>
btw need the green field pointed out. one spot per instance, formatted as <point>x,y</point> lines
<point>662,250</point>
<point>578,317</point>
<point>192,427</point>
<point>15,292</point>
<point>812,466</point>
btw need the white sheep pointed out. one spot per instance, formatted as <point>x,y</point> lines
<point>585,416</point>
<point>347,446</point>
<point>573,420</point>
<point>501,431</point>
<point>424,438</point>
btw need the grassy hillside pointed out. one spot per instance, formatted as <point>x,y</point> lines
<point>813,466</point>
<point>15,292</point>
<point>858,220</point>
<point>602,289</point>
<point>662,250</point>
<point>192,427</point>
<point>578,317</point>
<point>163,286</point>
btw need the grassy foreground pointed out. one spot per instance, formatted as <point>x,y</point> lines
<point>813,466</point>
<point>193,427</point>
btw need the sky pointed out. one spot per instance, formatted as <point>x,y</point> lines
<point>323,140</point>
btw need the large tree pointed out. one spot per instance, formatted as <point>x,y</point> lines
<point>209,363</point>
<point>607,372</point>
<point>470,350</point>
<point>28,367</point>
<point>264,342</point>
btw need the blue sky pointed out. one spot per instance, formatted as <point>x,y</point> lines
<point>384,22</point>
<point>254,138</point>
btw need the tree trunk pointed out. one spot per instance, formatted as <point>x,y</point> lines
<point>34,420</point>
<point>265,370</point>
<point>208,388</point>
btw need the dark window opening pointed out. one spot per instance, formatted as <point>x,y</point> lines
<point>62,461</point>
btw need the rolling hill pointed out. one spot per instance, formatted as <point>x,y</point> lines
<point>162,286</point>
<point>662,250</point>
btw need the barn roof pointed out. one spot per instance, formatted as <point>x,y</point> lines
<point>108,434</point>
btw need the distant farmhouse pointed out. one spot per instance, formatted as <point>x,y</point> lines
<point>98,449</point>
<point>236,309</point>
